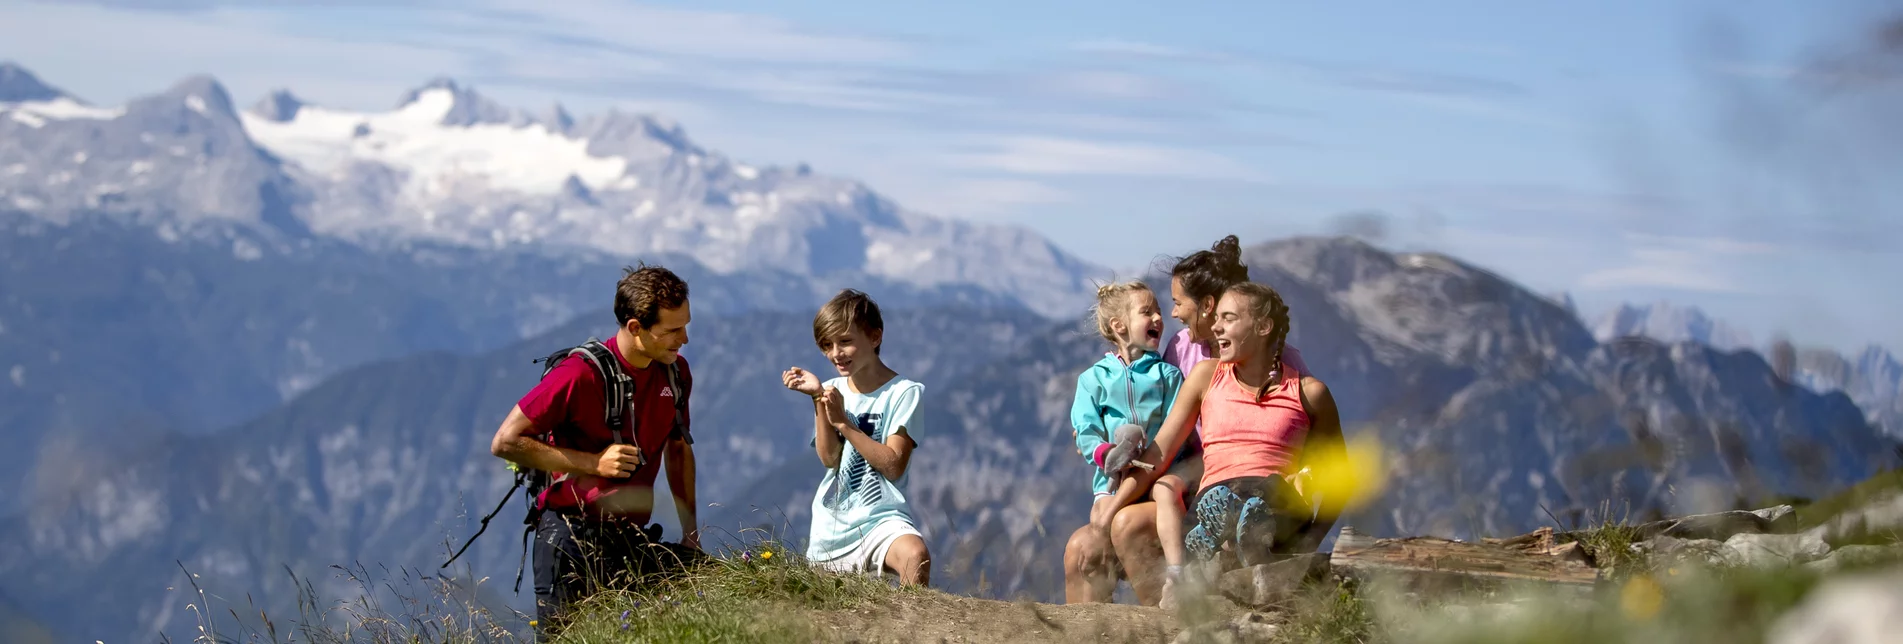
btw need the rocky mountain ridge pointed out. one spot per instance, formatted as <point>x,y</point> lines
<point>1498,410</point>
<point>449,166</point>
<point>1872,377</point>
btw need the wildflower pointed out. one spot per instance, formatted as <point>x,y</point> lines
<point>531,623</point>
<point>766,554</point>
<point>1349,479</point>
<point>746,557</point>
<point>624,615</point>
<point>701,594</point>
<point>1641,598</point>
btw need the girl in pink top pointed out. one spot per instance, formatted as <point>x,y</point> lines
<point>1261,416</point>
<point>1197,282</point>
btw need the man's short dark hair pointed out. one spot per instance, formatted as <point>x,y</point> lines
<point>645,291</point>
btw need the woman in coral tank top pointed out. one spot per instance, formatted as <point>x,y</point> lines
<point>1261,418</point>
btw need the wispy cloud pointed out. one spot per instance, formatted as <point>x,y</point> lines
<point>106,54</point>
<point>1138,50</point>
<point>1040,155</point>
<point>985,197</point>
<point>1373,78</point>
<point>1682,263</point>
<point>1405,81</point>
<point>1475,48</point>
<point>706,34</point>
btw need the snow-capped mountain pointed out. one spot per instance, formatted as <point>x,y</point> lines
<point>449,166</point>
<point>1667,322</point>
<point>1873,378</point>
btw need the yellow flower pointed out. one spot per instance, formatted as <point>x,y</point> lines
<point>1641,598</point>
<point>766,554</point>
<point>1346,480</point>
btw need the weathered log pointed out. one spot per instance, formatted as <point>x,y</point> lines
<point>1532,557</point>
<point>1272,583</point>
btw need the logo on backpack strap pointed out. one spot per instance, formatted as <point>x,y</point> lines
<point>667,392</point>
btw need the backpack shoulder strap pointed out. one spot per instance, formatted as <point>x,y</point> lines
<point>682,386</point>
<point>617,388</point>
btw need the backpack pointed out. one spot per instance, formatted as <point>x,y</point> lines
<point>617,395</point>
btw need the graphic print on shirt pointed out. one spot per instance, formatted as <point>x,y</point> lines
<point>856,474</point>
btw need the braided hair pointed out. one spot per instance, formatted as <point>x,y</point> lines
<point>1266,304</point>
<point>1207,274</point>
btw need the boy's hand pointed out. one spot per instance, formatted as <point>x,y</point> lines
<point>801,380</point>
<point>619,461</point>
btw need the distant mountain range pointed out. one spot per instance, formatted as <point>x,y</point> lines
<point>1873,377</point>
<point>1667,322</point>
<point>245,341</point>
<point>451,167</point>
<point>174,264</point>
<point>1497,406</point>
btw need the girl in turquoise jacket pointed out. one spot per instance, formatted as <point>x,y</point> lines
<point>1122,399</point>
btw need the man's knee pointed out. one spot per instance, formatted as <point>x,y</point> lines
<point>1086,551</point>
<point>1133,526</point>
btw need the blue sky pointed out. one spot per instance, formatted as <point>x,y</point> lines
<point>1615,150</point>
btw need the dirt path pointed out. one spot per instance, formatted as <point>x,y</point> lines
<point>948,618</point>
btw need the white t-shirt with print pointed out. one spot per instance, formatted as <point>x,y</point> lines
<point>854,497</point>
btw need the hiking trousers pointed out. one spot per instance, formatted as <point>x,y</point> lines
<point>1258,516</point>
<point>576,556</point>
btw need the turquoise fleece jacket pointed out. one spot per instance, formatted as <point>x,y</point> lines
<point>1110,394</point>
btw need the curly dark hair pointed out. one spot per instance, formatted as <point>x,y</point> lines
<point>1206,274</point>
<point>645,291</point>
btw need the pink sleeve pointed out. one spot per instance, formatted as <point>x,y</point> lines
<point>1174,354</point>
<point>1292,357</point>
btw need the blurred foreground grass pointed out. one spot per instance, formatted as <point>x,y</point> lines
<point>764,593</point>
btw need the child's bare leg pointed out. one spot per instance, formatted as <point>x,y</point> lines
<point>908,557</point>
<point>1168,494</point>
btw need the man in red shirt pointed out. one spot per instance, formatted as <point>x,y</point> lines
<point>601,485</point>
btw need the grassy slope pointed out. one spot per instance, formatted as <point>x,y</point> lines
<point>767,594</point>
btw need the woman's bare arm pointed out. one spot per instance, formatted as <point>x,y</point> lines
<point>1178,424</point>
<point>1324,443</point>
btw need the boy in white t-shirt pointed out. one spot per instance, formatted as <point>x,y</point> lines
<point>865,426</point>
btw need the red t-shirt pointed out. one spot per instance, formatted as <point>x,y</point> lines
<point>566,409</point>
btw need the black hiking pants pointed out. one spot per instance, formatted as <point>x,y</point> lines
<point>1258,516</point>
<point>576,556</point>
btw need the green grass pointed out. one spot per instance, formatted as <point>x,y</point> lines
<point>1702,605</point>
<point>1609,545</point>
<point>1872,489</point>
<point>761,597</point>
<point>762,593</point>
<point>1331,613</point>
